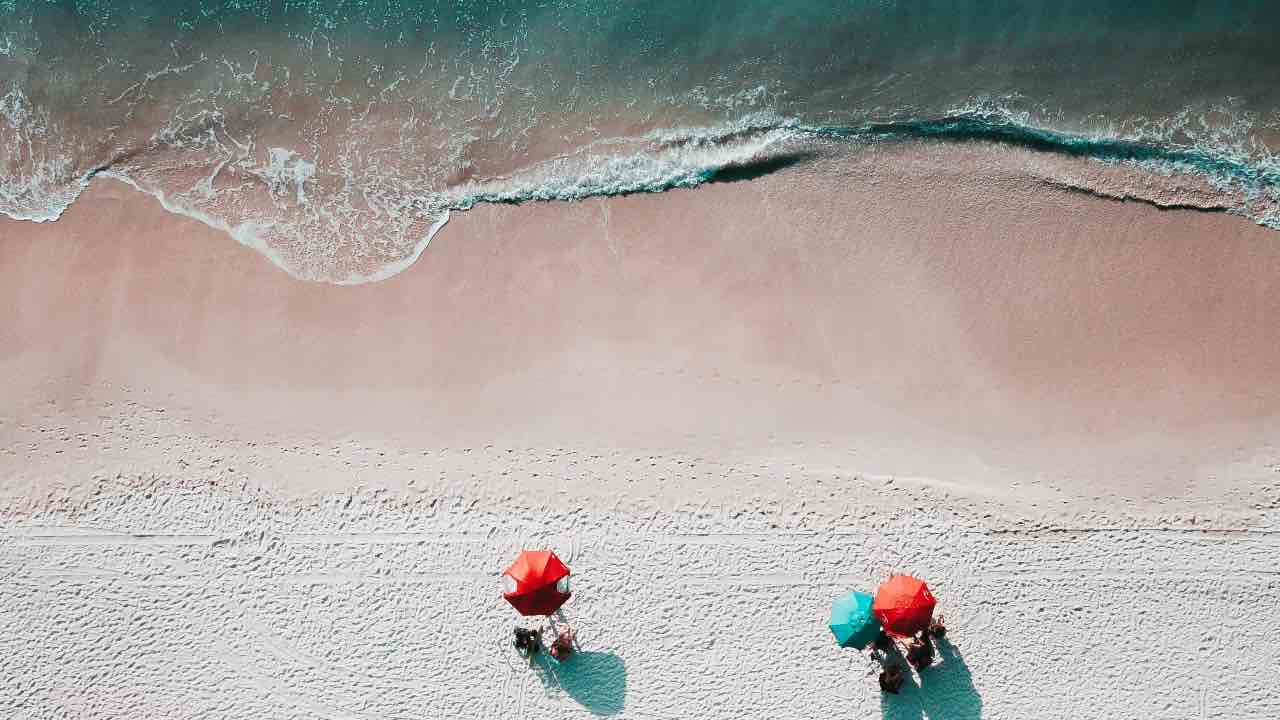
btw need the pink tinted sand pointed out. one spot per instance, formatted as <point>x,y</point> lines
<point>930,312</point>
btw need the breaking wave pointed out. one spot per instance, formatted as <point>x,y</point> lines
<point>337,138</point>
<point>348,218</point>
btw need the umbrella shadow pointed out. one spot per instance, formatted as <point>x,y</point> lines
<point>595,680</point>
<point>906,704</point>
<point>948,690</point>
<point>945,691</point>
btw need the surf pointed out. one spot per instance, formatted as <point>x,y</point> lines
<point>306,213</point>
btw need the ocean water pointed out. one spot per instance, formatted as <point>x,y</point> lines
<point>336,137</point>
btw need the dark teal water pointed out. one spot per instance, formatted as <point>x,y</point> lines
<point>334,136</point>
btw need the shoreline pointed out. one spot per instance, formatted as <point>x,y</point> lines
<point>229,492</point>
<point>915,312</point>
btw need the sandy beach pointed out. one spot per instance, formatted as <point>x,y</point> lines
<point>881,313</point>
<point>230,493</point>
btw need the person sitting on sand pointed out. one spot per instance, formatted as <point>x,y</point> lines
<point>528,642</point>
<point>564,644</point>
<point>920,652</point>
<point>891,679</point>
<point>883,642</point>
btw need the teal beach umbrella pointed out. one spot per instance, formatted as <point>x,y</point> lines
<point>852,621</point>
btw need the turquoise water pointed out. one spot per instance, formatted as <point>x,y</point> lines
<point>337,136</point>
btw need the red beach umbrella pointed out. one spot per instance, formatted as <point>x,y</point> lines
<point>903,605</point>
<point>537,583</point>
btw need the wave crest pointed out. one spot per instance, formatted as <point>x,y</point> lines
<point>352,211</point>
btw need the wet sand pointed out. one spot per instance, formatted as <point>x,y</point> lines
<point>929,312</point>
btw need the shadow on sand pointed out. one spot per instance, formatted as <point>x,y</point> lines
<point>944,691</point>
<point>595,680</point>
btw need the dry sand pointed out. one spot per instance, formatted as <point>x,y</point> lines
<point>229,493</point>
<point>184,603</point>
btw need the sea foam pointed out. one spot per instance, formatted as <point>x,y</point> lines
<point>351,216</point>
<point>38,176</point>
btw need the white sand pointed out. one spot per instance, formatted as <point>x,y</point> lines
<point>229,494</point>
<point>190,603</point>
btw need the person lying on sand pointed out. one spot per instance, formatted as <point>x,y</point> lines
<point>528,642</point>
<point>891,679</point>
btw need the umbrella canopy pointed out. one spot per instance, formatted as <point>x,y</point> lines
<point>852,621</point>
<point>904,605</point>
<point>537,583</point>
